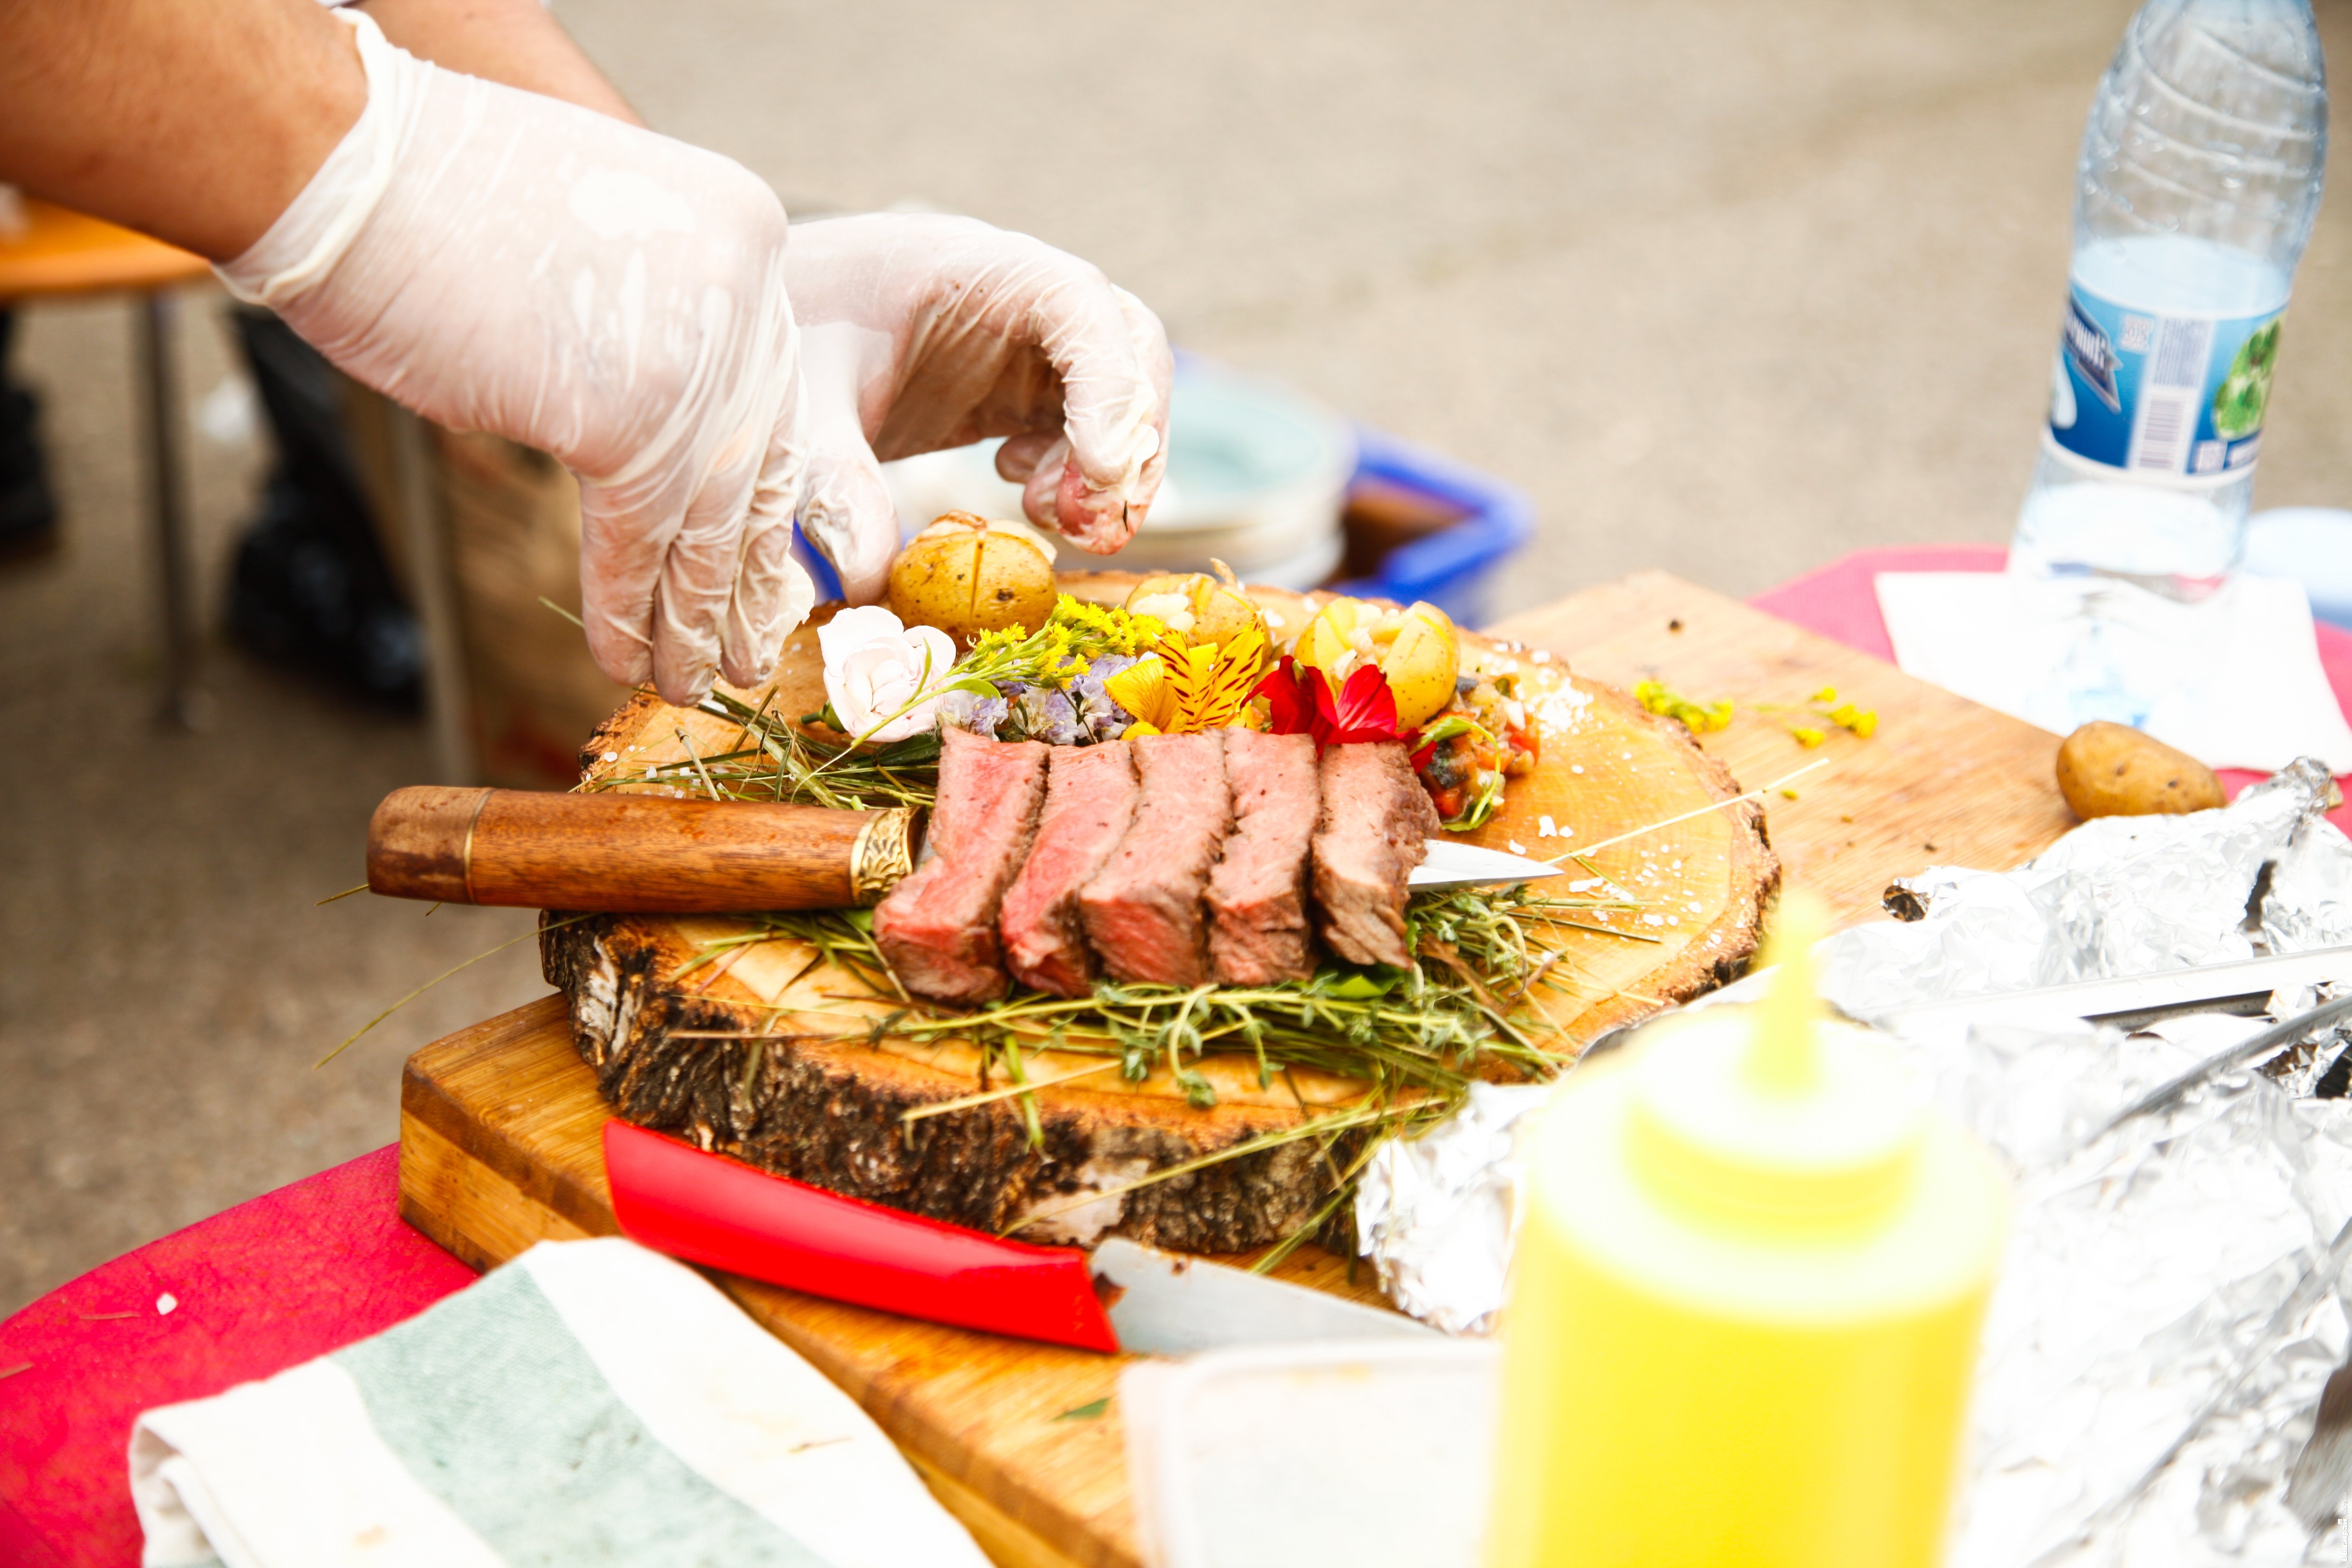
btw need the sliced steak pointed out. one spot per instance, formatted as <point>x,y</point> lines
<point>938,927</point>
<point>1257,894</point>
<point>1090,800</point>
<point>1374,829</point>
<point>1142,911</point>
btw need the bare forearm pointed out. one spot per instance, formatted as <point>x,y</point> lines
<point>195,123</point>
<point>517,42</point>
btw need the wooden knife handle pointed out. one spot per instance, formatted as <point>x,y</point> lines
<point>632,854</point>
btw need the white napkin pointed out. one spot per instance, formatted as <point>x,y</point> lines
<point>591,1403</point>
<point>2234,681</point>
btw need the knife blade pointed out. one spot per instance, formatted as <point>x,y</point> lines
<point>1163,1303</point>
<point>1456,865</point>
<point>2242,986</point>
<point>643,854</point>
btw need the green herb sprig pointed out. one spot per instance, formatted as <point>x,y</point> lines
<point>773,758</point>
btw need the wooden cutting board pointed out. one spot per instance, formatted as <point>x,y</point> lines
<point>499,1123</point>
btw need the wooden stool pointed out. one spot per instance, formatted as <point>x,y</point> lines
<point>61,253</point>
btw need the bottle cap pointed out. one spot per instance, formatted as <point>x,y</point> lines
<point>1771,1118</point>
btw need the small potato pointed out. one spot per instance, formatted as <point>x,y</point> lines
<point>2113,770</point>
<point>1414,648</point>
<point>966,576</point>
<point>1196,608</point>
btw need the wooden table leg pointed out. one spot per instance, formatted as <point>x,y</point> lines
<point>426,537</point>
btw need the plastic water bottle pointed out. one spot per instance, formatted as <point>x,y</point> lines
<point>2198,180</point>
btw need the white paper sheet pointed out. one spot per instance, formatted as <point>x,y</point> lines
<point>2234,681</point>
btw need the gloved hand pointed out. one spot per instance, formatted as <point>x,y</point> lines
<point>920,331</point>
<point>505,262</point>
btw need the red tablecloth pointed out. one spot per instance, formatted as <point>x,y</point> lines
<point>315,1265</point>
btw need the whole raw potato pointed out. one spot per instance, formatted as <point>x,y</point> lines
<point>2113,770</point>
<point>966,578</point>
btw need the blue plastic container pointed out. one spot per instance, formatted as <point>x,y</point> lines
<point>1469,523</point>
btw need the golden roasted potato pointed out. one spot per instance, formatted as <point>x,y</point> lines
<point>1414,648</point>
<point>1196,608</point>
<point>966,575</point>
<point>2113,770</point>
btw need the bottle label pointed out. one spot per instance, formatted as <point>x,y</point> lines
<point>2159,396</point>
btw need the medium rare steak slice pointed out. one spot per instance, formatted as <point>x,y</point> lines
<point>1090,800</point>
<point>1257,894</point>
<point>1142,911</point>
<point>938,927</point>
<point>1374,829</point>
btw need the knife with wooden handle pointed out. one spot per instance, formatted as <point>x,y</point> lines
<point>633,854</point>
<point>646,854</point>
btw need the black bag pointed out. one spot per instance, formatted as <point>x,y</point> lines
<point>28,508</point>
<point>310,588</point>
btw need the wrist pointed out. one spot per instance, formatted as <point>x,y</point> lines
<point>311,233</point>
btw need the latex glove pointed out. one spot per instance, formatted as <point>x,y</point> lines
<point>920,331</point>
<point>505,262</point>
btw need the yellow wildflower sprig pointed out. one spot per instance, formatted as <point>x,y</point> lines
<point>1699,717</point>
<point>1824,704</point>
<point>1073,636</point>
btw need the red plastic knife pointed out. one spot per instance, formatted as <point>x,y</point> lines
<point>708,1209</point>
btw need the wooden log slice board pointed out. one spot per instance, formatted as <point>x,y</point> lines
<point>764,1053</point>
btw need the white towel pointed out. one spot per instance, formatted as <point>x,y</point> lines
<point>590,1404</point>
<point>2235,682</point>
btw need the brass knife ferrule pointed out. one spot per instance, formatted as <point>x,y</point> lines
<point>884,852</point>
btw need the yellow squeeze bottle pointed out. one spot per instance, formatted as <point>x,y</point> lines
<point>1746,1299</point>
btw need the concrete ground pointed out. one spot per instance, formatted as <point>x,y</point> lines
<point>1729,288</point>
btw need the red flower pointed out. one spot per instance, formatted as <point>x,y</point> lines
<point>1299,701</point>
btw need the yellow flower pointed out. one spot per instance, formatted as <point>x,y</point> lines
<point>1861,720</point>
<point>1176,690</point>
<point>1699,717</point>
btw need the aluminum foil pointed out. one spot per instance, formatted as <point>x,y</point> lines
<point>2170,1304</point>
<point>2122,895</point>
<point>1435,1214</point>
<point>2174,1293</point>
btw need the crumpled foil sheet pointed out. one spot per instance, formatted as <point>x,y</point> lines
<point>2174,1292</point>
<point>2170,1301</point>
<point>1435,1214</point>
<point>2121,895</point>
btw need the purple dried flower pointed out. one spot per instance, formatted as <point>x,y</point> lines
<point>1042,713</point>
<point>1104,719</point>
<point>969,710</point>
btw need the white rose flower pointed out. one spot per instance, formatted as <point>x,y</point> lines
<point>875,665</point>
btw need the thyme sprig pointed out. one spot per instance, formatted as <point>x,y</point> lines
<point>775,758</point>
<point>1417,1035</point>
